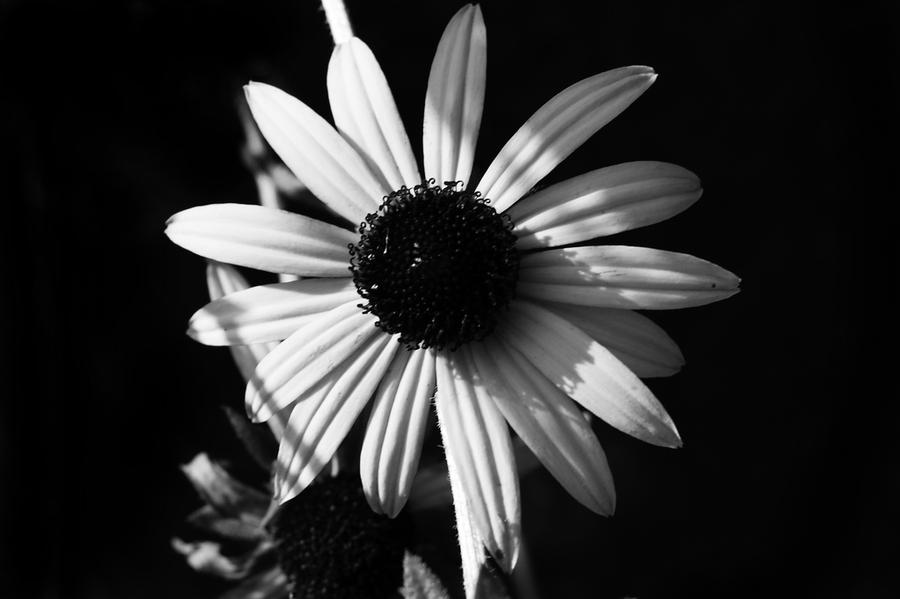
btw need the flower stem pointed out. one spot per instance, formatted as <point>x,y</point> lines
<point>338,21</point>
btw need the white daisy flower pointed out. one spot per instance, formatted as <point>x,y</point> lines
<point>470,277</point>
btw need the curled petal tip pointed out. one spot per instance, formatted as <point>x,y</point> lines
<point>250,87</point>
<point>602,504</point>
<point>675,441</point>
<point>257,418</point>
<point>281,494</point>
<point>666,436</point>
<point>289,494</point>
<point>394,505</point>
<point>385,506</point>
<point>256,414</point>
<point>640,70</point>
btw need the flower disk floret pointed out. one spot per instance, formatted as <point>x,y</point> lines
<point>437,265</point>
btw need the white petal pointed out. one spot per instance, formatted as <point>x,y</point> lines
<point>221,280</point>
<point>476,435</point>
<point>263,238</point>
<point>365,113</point>
<point>619,276</point>
<point>247,357</point>
<point>480,581</point>
<point>304,359</point>
<point>603,202</point>
<point>558,128</point>
<point>316,153</point>
<point>431,488</point>
<point>471,547</point>
<point>317,427</point>
<point>549,424</point>
<point>455,97</point>
<point>268,312</point>
<point>637,341</point>
<point>301,411</point>
<point>588,373</point>
<point>392,445</point>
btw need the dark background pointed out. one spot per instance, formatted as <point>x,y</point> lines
<point>116,116</point>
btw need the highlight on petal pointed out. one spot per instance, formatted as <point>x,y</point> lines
<point>305,359</point>
<point>431,489</point>
<point>318,425</point>
<point>221,280</point>
<point>365,113</point>
<point>316,153</point>
<point>392,445</point>
<point>455,98</point>
<point>231,528</point>
<point>588,373</point>
<point>642,345</point>
<point>603,202</point>
<point>557,129</point>
<point>548,422</point>
<point>227,495</point>
<point>476,438</point>
<point>620,276</point>
<point>208,557</point>
<point>477,575</point>
<point>268,312</point>
<point>480,579</point>
<point>263,238</point>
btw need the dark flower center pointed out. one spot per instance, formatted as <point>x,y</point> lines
<point>331,545</point>
<point>436,265</point>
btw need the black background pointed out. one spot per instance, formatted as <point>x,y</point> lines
<point>117,116</point>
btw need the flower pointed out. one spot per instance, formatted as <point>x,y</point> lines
<point>491,305</point>
<point>233,513</point>
<point>326,543</point>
